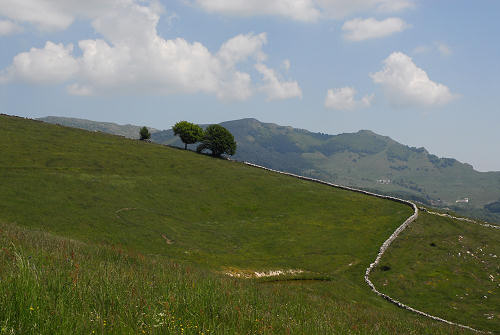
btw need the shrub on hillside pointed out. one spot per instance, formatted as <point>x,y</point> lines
<point>189,133</point>
<point>218,140</point>
<point>144,134</point>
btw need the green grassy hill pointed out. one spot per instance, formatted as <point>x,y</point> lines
<point>106,189</point>
<point>368,160</point>
<point>363,159</point>
<point>448,268</point>
<point>126,130</point>
<point>153,230</point>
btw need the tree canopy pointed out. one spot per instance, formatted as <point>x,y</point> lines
<point>144,133</point>
<point>188,132</point>
<point>218,140</point>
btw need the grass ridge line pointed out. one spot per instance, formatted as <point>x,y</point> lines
<point>487,225</point>
<point>384,246</point>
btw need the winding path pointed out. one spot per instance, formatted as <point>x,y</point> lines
<point>388,242</point>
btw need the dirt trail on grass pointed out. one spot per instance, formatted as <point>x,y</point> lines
<point>388,242</point>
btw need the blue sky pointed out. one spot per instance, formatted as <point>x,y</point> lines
<point>422,72</point>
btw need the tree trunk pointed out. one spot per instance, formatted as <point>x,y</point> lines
<point>185,146</point>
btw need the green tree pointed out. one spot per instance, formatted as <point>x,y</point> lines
<point>218,140</point>
<point>144,133</point>
<point>188,132</point>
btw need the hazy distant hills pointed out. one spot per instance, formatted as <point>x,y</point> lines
<point>363,159</point>
<point>128,130</point>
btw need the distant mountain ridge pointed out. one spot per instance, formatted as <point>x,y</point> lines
<point>362,159</point>
<point>128,130</point>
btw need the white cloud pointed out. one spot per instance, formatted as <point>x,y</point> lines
<point>8,28</point>
<point>302,10</point>
<point>342,8</point>
<point>276,89</point>
<point>170,19</point>
<point>164,67</point>
<point>405,84</point>
<point>76,89</point>
<point>241,47</point>
<point>132,57</point>
<point>359,29</point>
<point>51,15</point>
<point>391,6</point>
<point>52,64</point>
<point>54,14</point>
<point>46,14</point>
<point>59,14</point>
<point>421,49</point>
<point>343,99</point>
<point>286,65</point>
<point>443,49</point>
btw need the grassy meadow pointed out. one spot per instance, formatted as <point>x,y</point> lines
<point>164,201</point>
<point>447,268</point>
<point>102,234</point>
<point>51,285</point>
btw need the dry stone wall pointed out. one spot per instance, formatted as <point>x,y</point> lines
<point>487,225</point>
<point>385,245</point>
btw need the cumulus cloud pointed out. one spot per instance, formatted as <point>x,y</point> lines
<point>302,10</point>
<point>8,28</point>
<point>51,15</point>
<point>45,14</point>
<point>276,89</point>
<point>341,8</point>
<point>363,29</point>
<point>343,99</point>
<point>390,6</point>
<point>241,47</point>
<point>54,14</point>
<point>405,84</point>
<point>132,57</point>
<point>60,14</point>
<point>51,64</point>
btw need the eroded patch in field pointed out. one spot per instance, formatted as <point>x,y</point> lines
<point>248,274</point>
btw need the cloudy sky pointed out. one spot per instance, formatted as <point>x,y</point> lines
<point>423,72</point>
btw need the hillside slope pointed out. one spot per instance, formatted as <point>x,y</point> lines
<point>180,206</point>
<point>364,159</point>
<point>446,267</point>
<point>127,130</point>
<point>119,191</point>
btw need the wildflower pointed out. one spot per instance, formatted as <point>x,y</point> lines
<point>31,308</point>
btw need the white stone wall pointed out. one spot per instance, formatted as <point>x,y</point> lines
<point>386,244</point>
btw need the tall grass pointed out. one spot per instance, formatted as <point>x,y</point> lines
<point>50,285</point>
